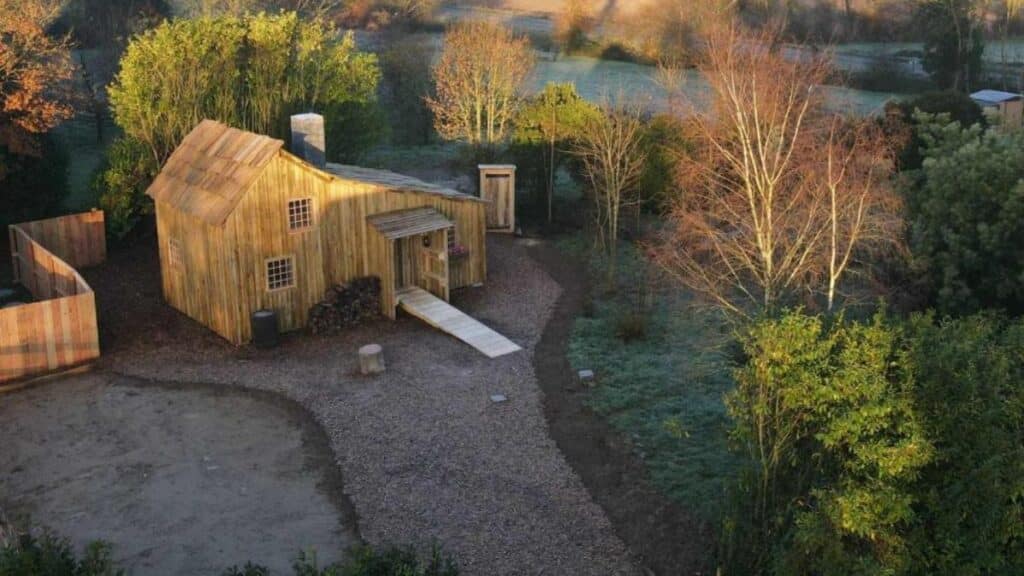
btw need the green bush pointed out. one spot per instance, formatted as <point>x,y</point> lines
<point>966,211</point>
<point>365,561</point>
<point>249,569</point>
<point>250,72</point>
<point>958,106</point>
<point>121,185</point>
<point>663,143</point>
<point>399,562</point>
<point>889,447</point>
<point>822,413</point>
<point>969,397</point>
<point>631,326</point>
<point>49,555</point>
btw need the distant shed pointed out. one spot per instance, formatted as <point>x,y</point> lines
<point>244,225</point>
<point>1007,106</point>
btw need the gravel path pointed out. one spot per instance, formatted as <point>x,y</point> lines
<point>424,453</point>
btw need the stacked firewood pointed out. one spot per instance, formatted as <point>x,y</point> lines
<point>346,305</point>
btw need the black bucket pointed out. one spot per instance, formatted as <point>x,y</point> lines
<point>264,329</point>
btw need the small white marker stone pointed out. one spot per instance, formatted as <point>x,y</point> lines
<point>498,398</point>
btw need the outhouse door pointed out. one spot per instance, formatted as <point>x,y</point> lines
<point>498,188</point>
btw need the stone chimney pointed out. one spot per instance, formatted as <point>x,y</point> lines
<point>308,140</point>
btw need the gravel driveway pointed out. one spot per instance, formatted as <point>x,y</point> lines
<point>182,480</point>
<point>426,456</point>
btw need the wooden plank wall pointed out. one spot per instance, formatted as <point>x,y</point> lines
<point>60,329</point>
<point>205,284</point>
<point>77,239</point>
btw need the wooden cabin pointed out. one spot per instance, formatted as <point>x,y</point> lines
<point>243,225</point>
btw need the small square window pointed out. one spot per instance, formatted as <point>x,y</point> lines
<point>300,214</point>
<point>280,273</point>
<point>174,255</point>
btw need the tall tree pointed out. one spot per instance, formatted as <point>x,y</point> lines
<point>610,150</point>
<point>407,75</point>
<point>954,43</point>
<point>35,75</point>
<point>779,197</point>
<point>553,118</point>
<point>479,81</point>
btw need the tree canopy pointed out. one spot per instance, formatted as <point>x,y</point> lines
<point>966,207</point>
<point>479,80</point>
<point>550,121</point>
<point>250,72</point>
<point>35,74</point>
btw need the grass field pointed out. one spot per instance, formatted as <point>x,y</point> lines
<point>664,391</point>
<point>596,79</point>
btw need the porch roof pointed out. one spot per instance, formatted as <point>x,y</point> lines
<point>408,222</point>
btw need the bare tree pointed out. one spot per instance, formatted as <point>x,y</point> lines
<point>779,196</point>
<point>479,79</point>
<point>609,149</point>
<point>863,213</point>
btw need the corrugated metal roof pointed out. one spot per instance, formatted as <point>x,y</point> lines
<point>994,96</point>
<point>408,222</point>
<point>211,169</point>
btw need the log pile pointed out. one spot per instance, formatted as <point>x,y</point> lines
<point>346,305</point>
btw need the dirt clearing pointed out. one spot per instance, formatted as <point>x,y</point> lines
<point>181,479</point>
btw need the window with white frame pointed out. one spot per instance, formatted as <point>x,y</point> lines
<point>300,214</point>
<point>280,273</point>
<point>175,258</point>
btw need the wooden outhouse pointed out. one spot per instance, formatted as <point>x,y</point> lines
<point>244,225</point>
<point>498,189</point>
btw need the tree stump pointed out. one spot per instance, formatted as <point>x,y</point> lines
<point>371,359</point>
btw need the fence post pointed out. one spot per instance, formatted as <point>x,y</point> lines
<point>14,253</point>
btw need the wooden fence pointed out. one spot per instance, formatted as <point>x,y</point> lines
<point>78,239</point>
<point>60,329</point>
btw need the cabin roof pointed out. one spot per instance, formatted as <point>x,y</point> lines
<point>211,169</point>
<point>992,97</point>
<point>395,181</point>
<point>408,222</point>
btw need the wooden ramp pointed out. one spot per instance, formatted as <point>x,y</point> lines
<point>445,317</point>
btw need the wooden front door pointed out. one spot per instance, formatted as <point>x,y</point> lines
<point>423,261</point>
